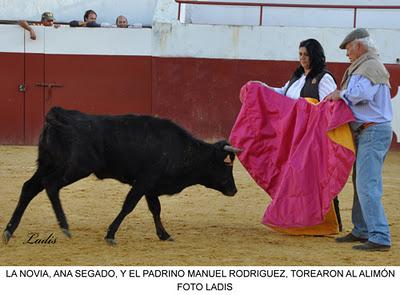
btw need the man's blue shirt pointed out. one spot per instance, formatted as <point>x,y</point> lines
<point>368,102</point>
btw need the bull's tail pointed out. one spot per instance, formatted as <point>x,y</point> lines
<point>55,139</point>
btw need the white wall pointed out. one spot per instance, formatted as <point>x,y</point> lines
<point>137,11</point>
<point>66,40</point>
<point>303,17</point>
<point>11,39</point>
<point>260,43</point>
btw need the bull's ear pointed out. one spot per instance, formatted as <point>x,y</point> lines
<point>222,154</point>
<point>228,161</point>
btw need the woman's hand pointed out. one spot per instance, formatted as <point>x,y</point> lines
<point>262,83</point>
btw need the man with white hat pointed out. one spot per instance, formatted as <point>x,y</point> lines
<point>365,89</point>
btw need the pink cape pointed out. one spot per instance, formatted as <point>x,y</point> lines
<point>288,153</point>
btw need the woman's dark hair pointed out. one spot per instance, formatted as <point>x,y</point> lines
<point>317,59</point>
<point>87,12</point>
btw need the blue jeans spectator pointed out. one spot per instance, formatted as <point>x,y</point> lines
<point>368,215</point>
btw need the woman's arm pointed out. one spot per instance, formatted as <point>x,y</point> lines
<point>281,90</point>
<point>326,85</point>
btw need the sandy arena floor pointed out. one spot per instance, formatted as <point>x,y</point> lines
<point>208,228</point>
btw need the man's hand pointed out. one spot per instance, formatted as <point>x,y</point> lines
<point>33,34</point>
<point>24,24</point>
<point>334,95</point>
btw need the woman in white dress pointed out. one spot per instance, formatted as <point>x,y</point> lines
<point>311,78</point>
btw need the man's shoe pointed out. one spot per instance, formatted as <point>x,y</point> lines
<point>350,238</point>
<point>370,246</point>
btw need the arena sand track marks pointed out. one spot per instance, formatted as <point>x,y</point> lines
<point>209,228</point>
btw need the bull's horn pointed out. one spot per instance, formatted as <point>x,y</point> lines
<point>232,149</point>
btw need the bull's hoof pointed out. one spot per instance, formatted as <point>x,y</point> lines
<point>166,238</point>
<point>66,232</point>
<point>6,236</point>
<point>111,242</point>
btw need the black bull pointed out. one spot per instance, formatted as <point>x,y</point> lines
<point>155,156</point>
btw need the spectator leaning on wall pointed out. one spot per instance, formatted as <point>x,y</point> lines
<point>89,20</point>
<point>47,20</point>
<point>121,22</point>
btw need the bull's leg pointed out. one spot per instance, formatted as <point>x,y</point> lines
<point>29,190</point>
<point>53,193</point>
<point>53,184</point>
<point>131,200</point>
<point>155,207</point>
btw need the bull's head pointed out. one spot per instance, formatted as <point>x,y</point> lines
<point>220,175</point>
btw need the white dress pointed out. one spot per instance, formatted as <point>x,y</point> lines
<point>326,86</point>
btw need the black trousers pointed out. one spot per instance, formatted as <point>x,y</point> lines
<point>337,211</point>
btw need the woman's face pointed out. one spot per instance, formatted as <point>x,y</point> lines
<point>304,58</point>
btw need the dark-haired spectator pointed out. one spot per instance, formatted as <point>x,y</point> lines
<point>89,20</point>
<point>47,20</point>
